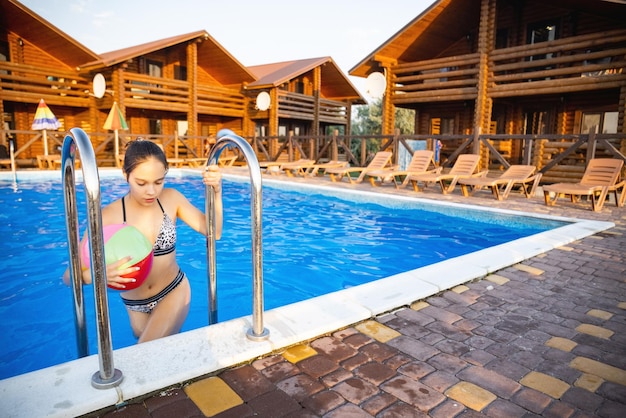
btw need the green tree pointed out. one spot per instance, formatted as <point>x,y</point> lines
<point>368,120</point>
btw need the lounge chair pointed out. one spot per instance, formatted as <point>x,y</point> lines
<point>501,186</point>
<point>317,169</point>
<point>419,164</point>
<point>380,160</point>
<point>599,179</point>
<point>464,167</point>
<point>298,167</point>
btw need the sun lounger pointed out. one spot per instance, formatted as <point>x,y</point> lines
<point>381,159</point>
<point>317,169</point>
<point>599,179</point>
<point>51,161</point>
<point>501,186</point>
<point>297,168</point>
<point>419,164</point>
<point>464,166</point>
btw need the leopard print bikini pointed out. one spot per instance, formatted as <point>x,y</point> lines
<point>166,240</point>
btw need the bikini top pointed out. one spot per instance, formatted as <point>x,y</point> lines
<point>166,240</point>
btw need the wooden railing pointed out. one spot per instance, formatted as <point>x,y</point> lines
<point>442,79</point>
<point>302,106</point>
<point>558,157</point>
<point>142,91</point>
<point>579,63</point>
<point>27,83</point>
<point>220,101</point>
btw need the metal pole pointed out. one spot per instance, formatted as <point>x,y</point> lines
<point>12,153</point>
<point>225,138</point>
<point>76,139</point>
<point>210,251</point>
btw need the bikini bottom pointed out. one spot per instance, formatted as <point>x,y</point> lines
<point>147,305</point>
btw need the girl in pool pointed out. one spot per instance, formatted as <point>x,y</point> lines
<point>159,306</point>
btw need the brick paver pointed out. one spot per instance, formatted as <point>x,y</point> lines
<point>545,337</point>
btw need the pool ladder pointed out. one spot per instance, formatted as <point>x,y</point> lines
<point>77,140</point>
<point>226,138</point>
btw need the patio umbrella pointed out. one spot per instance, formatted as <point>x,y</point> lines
<point>44,120</point>
<point>114,122</point>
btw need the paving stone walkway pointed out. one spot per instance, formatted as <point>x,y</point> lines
<point>546,337</point>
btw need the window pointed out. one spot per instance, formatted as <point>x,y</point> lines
<point>155,126</point>
<point>541,32</point>
<point>502,38</point>
<point>154,68</point>
<point>602,122</point>
<point>180,72</point>
<point>536,123</point>
<point>4,54</point>
<point>182,126</point>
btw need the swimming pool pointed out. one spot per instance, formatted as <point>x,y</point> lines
<point>351,244</point>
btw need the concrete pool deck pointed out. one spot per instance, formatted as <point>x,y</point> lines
<point>526,330</point>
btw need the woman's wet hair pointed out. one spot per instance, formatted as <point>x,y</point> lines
<point>140,151</point>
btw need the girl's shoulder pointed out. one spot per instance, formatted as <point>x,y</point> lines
<point>112,213</point>
<point>172,199</point>
<point>170,193</point>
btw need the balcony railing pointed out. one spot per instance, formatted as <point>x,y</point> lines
<point>302,106</point>
<point>579,63</point>
<point>587,62</point>
<point>28,83</point>
<point>146,92</point>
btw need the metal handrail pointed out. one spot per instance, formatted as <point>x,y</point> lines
<point>12,155</point>
<point>108,376</point>
<point>225,138</point>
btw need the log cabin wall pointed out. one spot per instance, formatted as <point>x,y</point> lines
<point>543,86</point>
<point>30,75</point>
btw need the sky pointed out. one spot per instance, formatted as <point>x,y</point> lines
<point>253,31</point>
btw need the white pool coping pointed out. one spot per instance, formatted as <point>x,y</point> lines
<point>65,390</point>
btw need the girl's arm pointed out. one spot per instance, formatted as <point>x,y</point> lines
<point>113,273</point>
<point>193,216</point>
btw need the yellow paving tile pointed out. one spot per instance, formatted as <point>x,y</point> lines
<point>621,305</point>
<point>416,306</point>
<point>377,331</point>
<point>605,371</point>
<point>589,382</point>
<point>497,279</point>
<point>549,385</point>
<point>298,352</point>
<point>212,396</point>
<point>595,330</point>
<point>529,269</point>
<point>562,344</point>
<point>460,289</point>
<point>597,313</point>
<point>565,248</point>
<point>470,395</point>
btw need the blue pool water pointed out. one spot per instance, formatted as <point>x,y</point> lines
<point>313,244</point>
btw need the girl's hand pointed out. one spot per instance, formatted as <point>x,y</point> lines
<point>114,273</point>
<point>213,177</point>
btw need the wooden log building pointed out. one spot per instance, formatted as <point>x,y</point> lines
<point>525,67</point>
<point>186,87</point>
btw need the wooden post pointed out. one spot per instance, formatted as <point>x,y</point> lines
<point>591,144</point>
<point>176,143</point>
<point>335,151</point>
